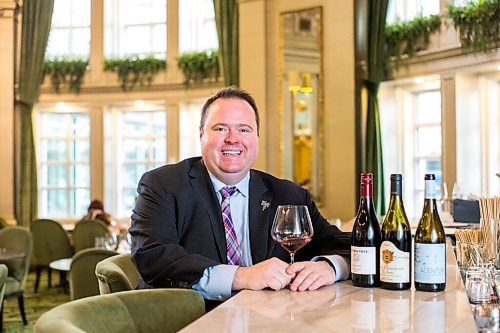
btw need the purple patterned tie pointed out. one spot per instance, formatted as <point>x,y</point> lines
<point>233,256</point>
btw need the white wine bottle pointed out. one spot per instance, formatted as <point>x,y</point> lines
<point>365,244</point>
<point>430,244</point>
<point>395,251</point>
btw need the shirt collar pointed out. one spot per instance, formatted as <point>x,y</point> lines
<point>242,186</point>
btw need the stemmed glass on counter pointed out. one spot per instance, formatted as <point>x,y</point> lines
<point>292,228</point>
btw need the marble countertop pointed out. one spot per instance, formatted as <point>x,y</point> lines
<point>343,308</point>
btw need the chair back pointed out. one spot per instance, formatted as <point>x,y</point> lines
<point>145,310</point>
<point>50,242</point>
<point>82,279</point>
<point>117,273</point>
<point>17,239</point>
<point>3,278</point>
<point>3,223</point>
<point>85,233</point>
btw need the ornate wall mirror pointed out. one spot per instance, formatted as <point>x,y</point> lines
<point>301,97</point>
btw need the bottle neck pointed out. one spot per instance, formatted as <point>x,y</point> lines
<point>396,199</point>
<point>430,195</point>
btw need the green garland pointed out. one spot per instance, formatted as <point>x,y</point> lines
<point>410,37</point>
<point>134,70</point>
<point>63,70</point>
<point>198,66</point>
<point>478,24</point>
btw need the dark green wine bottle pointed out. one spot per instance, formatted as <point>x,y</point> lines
<point>395,251</point>
<point>430,244</point>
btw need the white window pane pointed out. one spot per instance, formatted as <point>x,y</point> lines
<point>56,203</point>
<point>159,150</point>
<point>189,121</point>
<point>80,13</point>
<point>428,106</point>
<point>135,149</point>
<point>80,125</point>
<point>197,30</point>
<point>59,173</point>
<point>80,175</point>
<point>80,199</point>
<point>132,173</point>
<point>70,31</point>
<point>82,47</point>
<point>54,175</point>
<point>429,140</point>
<point>60,15</point>
<point>54,124</point>
<point>158,39</point>
<point>135,123</point>
<point>137,40</point>
<point>58,44</point>
<point>128,203</point>
<point>135,27</point>
<point>80,150</point>
<point>159,122</point>
<point>54,150</point>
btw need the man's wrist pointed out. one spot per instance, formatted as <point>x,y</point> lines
<point>239,279</point>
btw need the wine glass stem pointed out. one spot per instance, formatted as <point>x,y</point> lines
<point>292,257</point>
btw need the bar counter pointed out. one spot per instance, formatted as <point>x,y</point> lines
<point>345,308</point>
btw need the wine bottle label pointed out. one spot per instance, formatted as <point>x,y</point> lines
<point>394,264</point>
<point>430,189</point>
<point>363,260</point>
<point>430,263</point>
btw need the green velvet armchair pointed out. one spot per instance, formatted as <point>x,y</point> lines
<point>17,239</point>
<point>50,242</point>
<point>3,278</point>
<point>117,273</point>
<point>136,311</point>
<point>82,279</point>
<point>85,233</point>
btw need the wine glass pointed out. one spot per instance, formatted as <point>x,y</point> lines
<point>292,228</point>
<point>111,241</point>
<point>442,197</point>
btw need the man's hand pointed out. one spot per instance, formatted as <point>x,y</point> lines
<point>310,275</point>
<point>270,273</point>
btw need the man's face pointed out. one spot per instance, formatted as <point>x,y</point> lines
<point>229,140</point>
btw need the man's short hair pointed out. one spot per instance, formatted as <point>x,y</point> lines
<point>230,92</point>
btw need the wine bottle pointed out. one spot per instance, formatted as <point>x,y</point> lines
<point>365,244</point>
<point>430,244</point>
<point>395,251</point>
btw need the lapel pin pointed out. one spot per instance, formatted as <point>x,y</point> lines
<point>264,204</point>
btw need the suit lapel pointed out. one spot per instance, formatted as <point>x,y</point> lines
<point>200,181</point>
<point>259,206</point>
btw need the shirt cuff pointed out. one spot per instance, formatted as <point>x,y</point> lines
<point>216,282</point>
<point>341,265</point>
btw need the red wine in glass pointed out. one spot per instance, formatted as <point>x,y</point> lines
<point>292,228</point>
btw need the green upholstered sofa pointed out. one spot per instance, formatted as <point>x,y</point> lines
<point>146,310</point>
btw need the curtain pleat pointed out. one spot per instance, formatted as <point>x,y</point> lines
<point>36,19</point>
<point>226,20</point>
<point>375,67</point>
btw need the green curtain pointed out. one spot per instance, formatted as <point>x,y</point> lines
<point>36,18</point>
<point>226,19</point>
<point>375,66</point>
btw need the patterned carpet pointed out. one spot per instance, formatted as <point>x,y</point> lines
<point>34,304</point>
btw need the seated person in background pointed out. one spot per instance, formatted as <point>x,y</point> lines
<point>182,238</point>
<point>96,211</point>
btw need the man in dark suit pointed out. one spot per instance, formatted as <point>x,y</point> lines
<point>183,238</point>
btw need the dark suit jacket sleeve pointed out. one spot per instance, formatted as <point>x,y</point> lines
<point>157,231</point>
